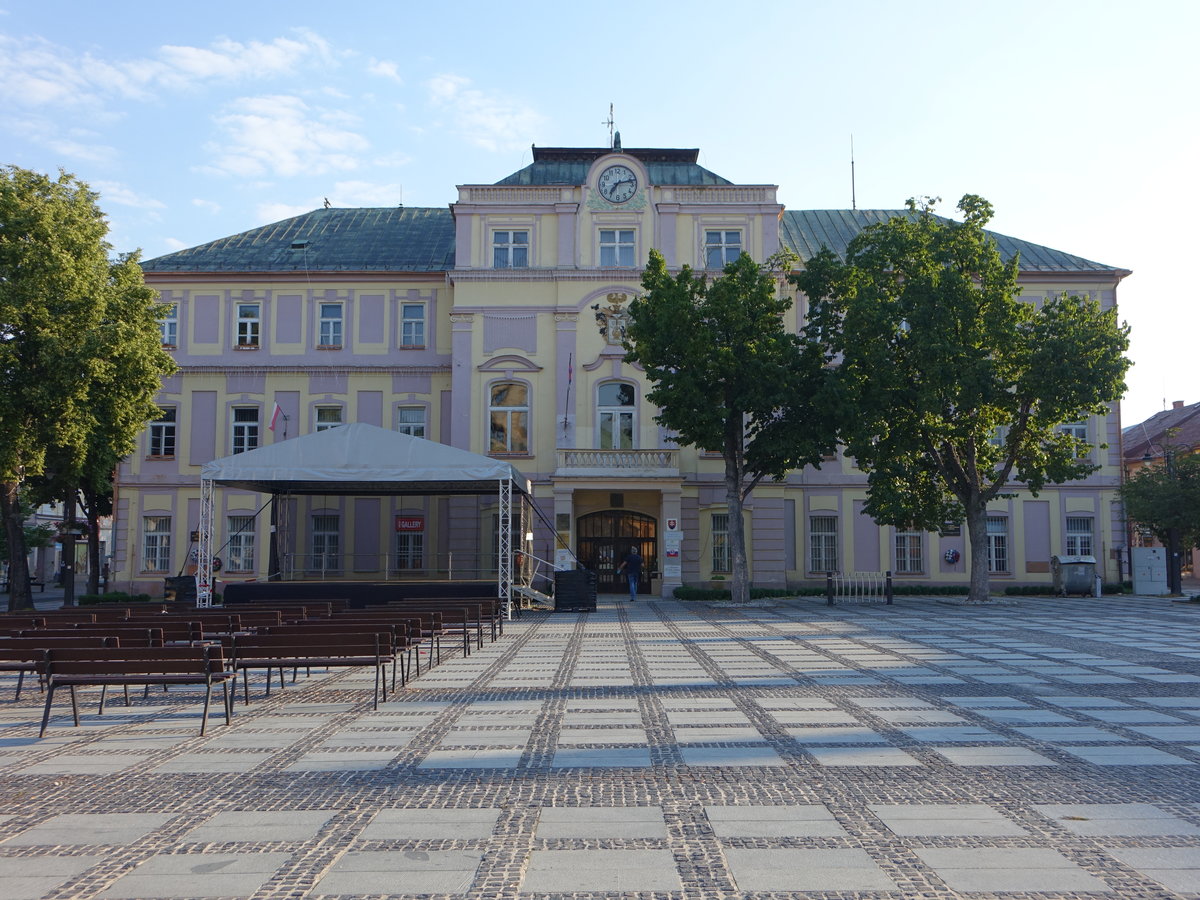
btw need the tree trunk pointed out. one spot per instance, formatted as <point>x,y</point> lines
<point>93,551</point>
<point>739,588</point>
<point>976,515</point>
<point>19,596</point>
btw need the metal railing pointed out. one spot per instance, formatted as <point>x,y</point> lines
<point>456,566</point>
<point>618,459</point>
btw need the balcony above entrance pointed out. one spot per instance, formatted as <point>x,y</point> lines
<point>618,463</point>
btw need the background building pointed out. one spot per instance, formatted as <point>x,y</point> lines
<point>495,326</point>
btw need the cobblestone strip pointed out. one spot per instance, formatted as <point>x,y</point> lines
<point>503,866</point>
<point>659,736</point>
<point>698,854</point>
<point>307,866</point>
<point>539,752</point>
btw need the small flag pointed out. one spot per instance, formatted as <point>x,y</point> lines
<point>570,368</point>
<point>275,417</point>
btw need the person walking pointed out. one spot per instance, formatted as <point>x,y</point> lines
<point>632,567</point>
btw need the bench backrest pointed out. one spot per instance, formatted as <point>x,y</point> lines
<point>135,661</point>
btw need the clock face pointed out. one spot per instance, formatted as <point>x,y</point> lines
<point>617,184</point>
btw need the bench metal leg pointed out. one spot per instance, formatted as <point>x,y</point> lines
<point>204,714</point>
<point>20,681</point>
<point>46,712</point>
<point>74,706</point>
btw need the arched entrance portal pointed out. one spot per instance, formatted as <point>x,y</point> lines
<point>605,537</point>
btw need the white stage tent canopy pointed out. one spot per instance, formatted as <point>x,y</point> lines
<point>359,460</point>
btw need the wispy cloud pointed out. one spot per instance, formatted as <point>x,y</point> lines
<point>385,68</point>
<point>366,193</point>
<point>274,212</point>
<point>209,205</point>
<point>174,244</point>
<point>282,135</point>
<point>487,119</point>
<point>115,192</point>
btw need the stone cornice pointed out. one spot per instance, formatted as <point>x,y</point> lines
<point>294,369</point>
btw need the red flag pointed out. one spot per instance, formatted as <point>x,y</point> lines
<point>275,417</point>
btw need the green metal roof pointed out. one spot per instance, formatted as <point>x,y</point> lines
<point>806,231</point>
<point>569,165</point>
<point>390,239</point>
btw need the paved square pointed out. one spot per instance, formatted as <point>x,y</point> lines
<point>666,748</point>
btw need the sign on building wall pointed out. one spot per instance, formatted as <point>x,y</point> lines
<point>410,523</point>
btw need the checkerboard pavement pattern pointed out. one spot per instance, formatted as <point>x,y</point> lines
<point>657,751</point>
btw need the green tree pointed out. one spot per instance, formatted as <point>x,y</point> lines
<point>1165,498</point>
<point>80,358</point>
<point>956,389</point>
<point>728,377</point>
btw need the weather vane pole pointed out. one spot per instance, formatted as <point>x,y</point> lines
<point>609,122</point>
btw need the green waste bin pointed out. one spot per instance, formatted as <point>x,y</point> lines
<point>1074,575</point>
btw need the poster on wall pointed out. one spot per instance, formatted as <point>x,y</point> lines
<point>672,568</point>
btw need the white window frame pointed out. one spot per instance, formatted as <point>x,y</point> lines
<point>1078,430</point>
<point>412,325</point>
<point>1079,534</point>
<point>244,431</point>
<point>325,542</point>
<point>330,325</point>
<point>168,324</point>
<point>408,423</point>
<point>616,423</point>
<point>249,324</point>
<point>510,248</point>
<point>156,543</point>
<point>513,421</point>
<point>618,248</point>
<point>239,546</point>
<point>717,241</point>
<point>822,543</point>
<point>997,544</point>
<point>410,550</point>
<point>909,547</point>
<point>163,435</point>
<point>722,552</point>
<point>326,417</point>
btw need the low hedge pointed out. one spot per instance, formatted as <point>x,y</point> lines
<point>1047,590</point>
<point>114,597</point>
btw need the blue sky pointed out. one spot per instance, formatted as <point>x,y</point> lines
<point>1077,120</point>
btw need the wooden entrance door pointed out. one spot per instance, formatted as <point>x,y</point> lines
<point>605,537</point>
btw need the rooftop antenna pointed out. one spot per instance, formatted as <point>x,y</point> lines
<point>609,122</point>
<point>853,195</point>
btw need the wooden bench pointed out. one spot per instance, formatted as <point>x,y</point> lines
<point>104,667</point>
<point>426,626</point>
<point>322,649</point>
<point>23,655</point>
<point>403,643</point>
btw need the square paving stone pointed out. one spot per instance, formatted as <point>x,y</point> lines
<point>1175,868</point>
<point>994,756</point>
<point>731,756</point>
<point>705,734</point>
<point>1132,717</point>
<point>197,875</point>
<point>30,878</point>
<point>91,764</point>
<point>342,761</point>
<point>961,734</point>
<point>806,870</point>
<point>601,871</point>
<point>214,763</point>
<point>1169,733</point>
<point>618,757</point>
<point>813,717</point>
<point>863,756</point>
<point>466,758</point>
<point>1116,819</point>
<point>401,871</point>
<point>569,736</point>
<point>431,824</point>
<point>259,825</point>
<point>601,822</point>
<point>945,820</point>
<point>997,869</point>
<point>853,734</point>
<point>1127,755</point>
<point>808,820</point>
<point>1068,734</point>
<point>90,828</point>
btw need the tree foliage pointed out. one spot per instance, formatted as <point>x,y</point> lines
<point>956,388</point>
<point>80,355</point>
<point>728,377</point>
<point>1165,498</point>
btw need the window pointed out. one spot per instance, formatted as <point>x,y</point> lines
<point>328,417</point>
<point>412,325</point>
<point>510,249</point>
<point>908,553</point>
<point>722,558</point>
<point>248,324</point>
<point>326,549</point>
<point>240,548</point>
<point>162,435</point>
<point>245,428</point>
<point>410,549</point>
<point>411,420</point>
<point>616,247</point>
<point>997,543</point>
<point>822,544</point>
<point>1079,431</point>
<point>168,324</point>
<point>509,418</point>
<point>156,543</point>
<point>1079,536</point>
<point>330,326</point>
<point>614,416</point>
<point>721,248</point>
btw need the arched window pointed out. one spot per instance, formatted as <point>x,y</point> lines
<point>615,415</point>
<point>508,418</point>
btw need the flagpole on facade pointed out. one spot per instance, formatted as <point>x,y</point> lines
<point>570,378</point>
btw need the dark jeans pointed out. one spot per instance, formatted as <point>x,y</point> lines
<point>633,584</point>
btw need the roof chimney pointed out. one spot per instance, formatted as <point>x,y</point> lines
<point>1177,404</point>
